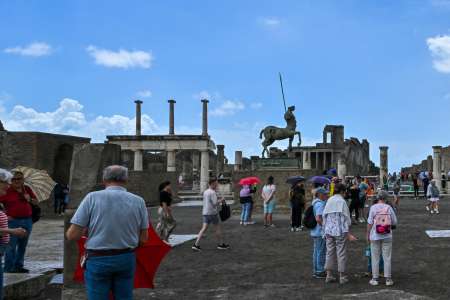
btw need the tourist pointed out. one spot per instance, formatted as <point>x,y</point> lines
<point>363,187</point>
<point>380,223</point>
<point>117,222</point>
<point>253,189</point>
<point>5,232</point>
<point>416,187</point>
<point>17,202</point>
<point>269,201</point>
<point>433,194</point>
<point>396,190</point>
<point>245,198</point>
<point>336,230</point>
<point>210,214</point>
<point>166,222</point>
<point>59,198</point>
<point>425,184</point>
<point>321,196</point>
<point>297,204</point>
<point>354,203</point>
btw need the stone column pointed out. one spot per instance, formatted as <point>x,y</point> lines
<point>237,160</point>
<point>341,168</point>
<point>138,116</point>
<point>172,116</point>
<point>437,169</point>
<point>205,117</point>
<point>195,170</point>
<point>204,170</point>
<point>171,161</point>
<point>138,160</point>
<point>306,160</point>
<point>383,163</point>
<point>220,159</point>
<point>325,161</point>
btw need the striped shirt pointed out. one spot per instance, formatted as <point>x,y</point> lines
<point>4,239</point>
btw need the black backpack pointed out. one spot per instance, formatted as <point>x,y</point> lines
<point>309,219</point>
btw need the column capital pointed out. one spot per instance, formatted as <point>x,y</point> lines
<point>205,100</point>
<point>171,101</point>
<point>384,148</point>
<point>138,101</point>
<point>437,148</point>
<point>220,147</point>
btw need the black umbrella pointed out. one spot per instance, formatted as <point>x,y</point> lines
<point>295,179</point>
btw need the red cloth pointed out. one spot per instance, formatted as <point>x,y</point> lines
<point>16,206</point>
<point>148,259</point>
<point>4,239</point>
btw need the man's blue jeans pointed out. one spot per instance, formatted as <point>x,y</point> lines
<point>245,214</point>
<point>320,249</point>
<point>105,274</point>
<point>15,253</point>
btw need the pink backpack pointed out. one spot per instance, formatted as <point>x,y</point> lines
<point>382,221</point>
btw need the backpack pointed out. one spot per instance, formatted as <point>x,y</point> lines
<point>382,221</point>
<point>435,193</point>
<point>309,219</point>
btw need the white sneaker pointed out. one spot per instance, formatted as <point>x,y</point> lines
<point>431,211</point>
<point>374,282</point>
<point>427,208</point>
<point>293,229</point>
<point>436,211</point>
<point>389,282</point>
<point>241,223</point>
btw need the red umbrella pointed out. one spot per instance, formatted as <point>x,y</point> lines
<point>148,259</point>
<point>249,181</point>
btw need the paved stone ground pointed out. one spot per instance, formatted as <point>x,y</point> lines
<point>276,264</point>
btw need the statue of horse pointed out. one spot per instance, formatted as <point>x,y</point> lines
<point>273,133</point>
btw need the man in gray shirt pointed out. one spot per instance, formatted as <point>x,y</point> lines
<point>116,222</point>
<point>210,214</point>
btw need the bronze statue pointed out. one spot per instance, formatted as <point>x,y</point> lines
<point>273,133</point>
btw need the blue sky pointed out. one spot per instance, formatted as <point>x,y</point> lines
<point>380,68</point>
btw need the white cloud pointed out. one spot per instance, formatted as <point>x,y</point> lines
<point>256,105</point>
<point>228,108</point>
<point>34,49</point>
<point>440,51</point>
<point>69,118</point>
<point>270,21</point>
<point>144,94</point>
<point>121,59</point>
<point>202,95</point>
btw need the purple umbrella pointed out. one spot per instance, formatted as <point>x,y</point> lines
<point>319,180</point>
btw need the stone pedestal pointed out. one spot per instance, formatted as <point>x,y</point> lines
<point>383,164</point>
<point>437,169</point>
<point>341,168</point>
<point>171,161</point>
<point>138,160</point>
<point>220,159</point>
<point>204,170</point>
<point>237,160</point>
<point>306,160</point>
<point>88,162</point>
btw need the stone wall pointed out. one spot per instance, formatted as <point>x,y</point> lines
<point>280,177</point>
<point>357,158</point>
<point>50,152</point>
<point>145,184</point>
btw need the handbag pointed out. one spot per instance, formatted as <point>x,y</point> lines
<point>225,212</point>
<point>36,212</point>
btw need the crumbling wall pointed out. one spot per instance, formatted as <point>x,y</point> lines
<point>357,158</point>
